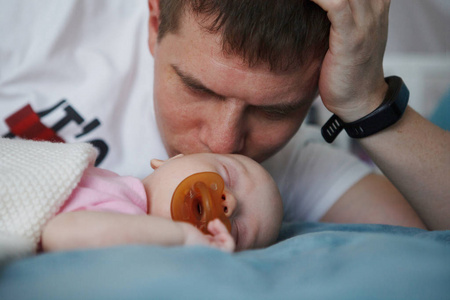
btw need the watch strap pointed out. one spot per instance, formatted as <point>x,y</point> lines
<point>389,112</point>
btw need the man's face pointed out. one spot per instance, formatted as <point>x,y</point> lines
<point>210,101</point>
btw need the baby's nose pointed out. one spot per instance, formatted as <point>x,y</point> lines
<point>228,203</point>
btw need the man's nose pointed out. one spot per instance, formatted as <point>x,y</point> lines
<point>229,203</point>
<point>225,131</point>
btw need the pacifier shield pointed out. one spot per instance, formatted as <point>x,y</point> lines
<point>198,200</point>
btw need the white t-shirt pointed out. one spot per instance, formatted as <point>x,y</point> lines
<point>80,71</point>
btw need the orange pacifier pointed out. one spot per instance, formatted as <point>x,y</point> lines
<point>197,200</point>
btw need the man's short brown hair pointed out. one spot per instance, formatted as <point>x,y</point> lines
<point>280,33</point>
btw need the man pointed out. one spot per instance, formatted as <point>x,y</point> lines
<point>233,92</point>
<point>211,96</point>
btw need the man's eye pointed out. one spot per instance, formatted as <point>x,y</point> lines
<point>195,90</point>
<point>274,114</point>
<point>202,92</point>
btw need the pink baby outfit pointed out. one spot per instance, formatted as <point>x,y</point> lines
<point>103,190</point>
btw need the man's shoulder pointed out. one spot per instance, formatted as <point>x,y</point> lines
<point>312,174</point>
<point>307,155</point>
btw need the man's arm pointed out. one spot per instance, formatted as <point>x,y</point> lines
<point>373,199</point>
<point>89,229</point>
<point>413,153</point>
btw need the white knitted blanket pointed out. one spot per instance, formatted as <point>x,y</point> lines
<point>35,180</point>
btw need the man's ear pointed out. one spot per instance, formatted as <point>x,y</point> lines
<point>153,24</point>
<point>156,163</point>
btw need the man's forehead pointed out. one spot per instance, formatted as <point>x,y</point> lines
<point>202,58</point>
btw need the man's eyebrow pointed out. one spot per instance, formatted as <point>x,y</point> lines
<point>193,82</point>
<point>285,108</point>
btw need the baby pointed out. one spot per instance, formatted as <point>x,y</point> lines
<point>106,209</point>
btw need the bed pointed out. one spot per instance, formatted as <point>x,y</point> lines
<point>310,261</point>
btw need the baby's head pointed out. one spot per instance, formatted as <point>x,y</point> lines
<point>251,198</point>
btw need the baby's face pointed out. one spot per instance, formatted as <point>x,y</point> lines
<point>252,201</point>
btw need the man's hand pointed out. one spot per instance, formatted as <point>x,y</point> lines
<point>351,82</point>
<point>219,238</point>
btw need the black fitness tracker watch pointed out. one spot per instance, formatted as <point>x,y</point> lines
<point>389,112</point>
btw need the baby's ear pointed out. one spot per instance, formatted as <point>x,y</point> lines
<point>156,163</point>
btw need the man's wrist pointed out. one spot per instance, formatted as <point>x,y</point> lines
<point>371,103</point>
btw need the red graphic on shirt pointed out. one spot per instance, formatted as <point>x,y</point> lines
<point>26,124</point>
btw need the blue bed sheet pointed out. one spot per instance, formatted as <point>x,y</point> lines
<point>311,261</point>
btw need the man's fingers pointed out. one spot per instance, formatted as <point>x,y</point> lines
<point>362,12</point>
<point>367,14</point>
<point>382,9</point>
<point>339,13</point>
<point>350,14</point>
